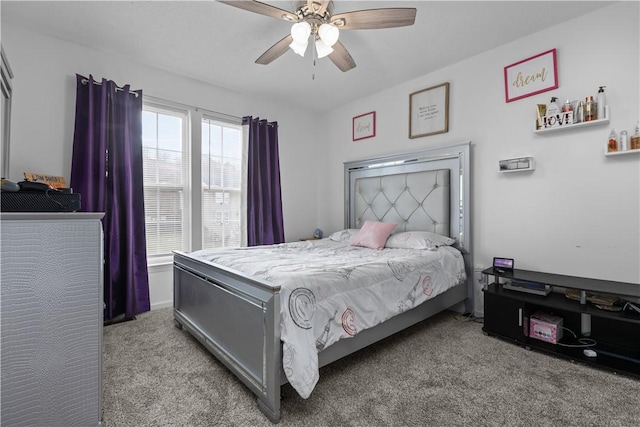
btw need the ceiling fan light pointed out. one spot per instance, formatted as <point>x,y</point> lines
<point>322,48</point>
<point>301,31</point>
<point>329,34</point>
<point>299,47</point>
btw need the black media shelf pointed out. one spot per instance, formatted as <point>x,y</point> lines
<point>560,302</point>
<point>617,334</point>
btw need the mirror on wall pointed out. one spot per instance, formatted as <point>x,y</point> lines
<point>5,114</point>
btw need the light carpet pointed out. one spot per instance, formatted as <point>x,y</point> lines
<point>441,372</point>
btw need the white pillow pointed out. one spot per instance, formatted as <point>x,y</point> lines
<point>344,235</point>
<point>418,240</point>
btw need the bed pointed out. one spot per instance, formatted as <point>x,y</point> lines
<point>242,315</point>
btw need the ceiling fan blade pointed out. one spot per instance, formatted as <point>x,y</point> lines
<point>262,9</point>
<point>275,51</point>
<point>318,6</point>
<point>375,18</point>
<point>342,58</point>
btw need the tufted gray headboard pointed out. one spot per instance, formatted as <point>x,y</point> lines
<point>414,200</point>
<point>427,190</point>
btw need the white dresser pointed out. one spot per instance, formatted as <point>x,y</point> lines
<point>51,319</point>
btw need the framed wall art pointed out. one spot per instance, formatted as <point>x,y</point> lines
<point>364,126</point>
<point>531,76</point>
<point>429,111</point>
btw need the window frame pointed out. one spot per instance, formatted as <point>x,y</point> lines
<point>196,115</point>
<point>241,191</point>
<point>169,109</point>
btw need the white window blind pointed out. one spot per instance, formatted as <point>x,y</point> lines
<point>165,146</point>
<point>221,183</point>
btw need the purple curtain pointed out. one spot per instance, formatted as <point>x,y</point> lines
<point>264,199</point>
<point>106,169</point>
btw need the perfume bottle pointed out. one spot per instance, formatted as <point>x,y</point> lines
<point>579,113</point>
<point>574,106</point>
<point>635,139</point>
<point>590,107</point>
<point>612,144</point>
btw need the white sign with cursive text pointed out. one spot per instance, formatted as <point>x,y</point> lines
<point>364,126</point>
<point>531,76</point>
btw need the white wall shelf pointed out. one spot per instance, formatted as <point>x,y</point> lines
<point>518,170</point>
<point>520,164</point>
<point>576,125</point>
<point>621,153</point>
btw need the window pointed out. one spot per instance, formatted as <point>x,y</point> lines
<point>183,146</point>
<point>165,152</point>
<point>221,183</point>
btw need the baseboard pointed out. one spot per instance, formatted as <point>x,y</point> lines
<point>163,304</point>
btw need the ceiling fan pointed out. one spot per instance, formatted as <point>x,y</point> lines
<point>314,18</point>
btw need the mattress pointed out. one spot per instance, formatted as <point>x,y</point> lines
<point>331,290</point>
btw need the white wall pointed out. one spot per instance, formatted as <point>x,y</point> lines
<point>43,119</point>
<point>578,212</point>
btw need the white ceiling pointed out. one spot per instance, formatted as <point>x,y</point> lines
<point>218,44</point>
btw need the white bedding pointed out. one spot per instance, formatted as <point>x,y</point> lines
<point>331,290</point>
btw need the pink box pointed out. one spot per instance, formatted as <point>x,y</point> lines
<point>545,327</point>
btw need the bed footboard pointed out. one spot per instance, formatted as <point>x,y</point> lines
<point>237,318</point>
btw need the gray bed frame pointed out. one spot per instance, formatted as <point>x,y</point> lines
<point>237,317</point>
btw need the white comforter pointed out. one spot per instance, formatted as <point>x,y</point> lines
<point>331,290</point>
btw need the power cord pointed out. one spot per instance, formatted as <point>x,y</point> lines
<point>631,307</point>
<point>468,317</point>
<point>62,205</point>
<point>584,342</point>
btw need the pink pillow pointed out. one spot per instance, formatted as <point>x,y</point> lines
<point>373,234</point>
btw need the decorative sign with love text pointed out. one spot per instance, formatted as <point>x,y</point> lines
<point>557,120</point>
<point>531,76</point>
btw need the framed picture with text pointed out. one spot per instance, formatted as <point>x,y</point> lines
<point>364,126</point>
<point>531,76</point>
<point>429,111</point>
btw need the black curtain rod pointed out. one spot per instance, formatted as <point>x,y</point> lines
<point>85,81</point>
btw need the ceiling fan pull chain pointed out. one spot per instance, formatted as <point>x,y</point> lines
<point>315,58</point>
